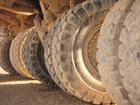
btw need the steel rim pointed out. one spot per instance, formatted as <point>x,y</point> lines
<point>84,66</point>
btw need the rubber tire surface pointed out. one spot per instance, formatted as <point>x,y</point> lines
<point>16,55</point>
<point>33,57</point>
<point>118,53</point>
<point>5,63</point>
<point>48,57</point>
<point>59,50</point>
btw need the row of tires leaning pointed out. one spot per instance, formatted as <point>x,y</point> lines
<point>91,52</point>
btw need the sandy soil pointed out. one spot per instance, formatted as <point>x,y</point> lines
<point>16,90</point>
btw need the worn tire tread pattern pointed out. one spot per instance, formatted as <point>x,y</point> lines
<point>32,53</point>
<point>4,55</point>
<point>60,54</point>
<point>108,55</point>
<point>48,57</point>
<point>16,57</point>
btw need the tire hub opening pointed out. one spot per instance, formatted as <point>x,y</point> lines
<point>89,50</point>
<point>84,56</point>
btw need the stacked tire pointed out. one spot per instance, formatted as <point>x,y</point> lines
<point>72,58</point>
<point>23,55</point>
<point>118,52</point>
<point>63,44</point>
<point>26,55</point>
<point>5,43</point>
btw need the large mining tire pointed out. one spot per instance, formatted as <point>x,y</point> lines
<point>16,55</point>
<point>5,63</point>
<point>118,52</point>
<point>47,54</point>
<point>33,57</point>
<point>73,36</point>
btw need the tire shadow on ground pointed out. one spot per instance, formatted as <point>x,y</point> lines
<point>17,90</point>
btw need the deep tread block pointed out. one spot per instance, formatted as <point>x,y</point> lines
<point>58,55</point>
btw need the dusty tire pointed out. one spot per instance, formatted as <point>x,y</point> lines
<point>118,52</point>
<point>48,57</point>
<point>4,55</point>
<point>33,57</point>
<point>61,46</point>
<point>16,55</point>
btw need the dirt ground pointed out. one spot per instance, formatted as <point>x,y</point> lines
<point>16,90</point>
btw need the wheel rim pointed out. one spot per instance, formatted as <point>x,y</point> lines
<point>89,50</point>
<point>84,56</point>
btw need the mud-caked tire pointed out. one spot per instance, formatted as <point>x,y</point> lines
<point>33,57</point>
<point>5,64</point>
<point>62,51</point>
<point>118,52</point>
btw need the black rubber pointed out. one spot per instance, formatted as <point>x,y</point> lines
<point>5,43</point>
<point>47,54</point>
<point>16,55</point>
<point>33,57</point>
<point>58,51</point>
